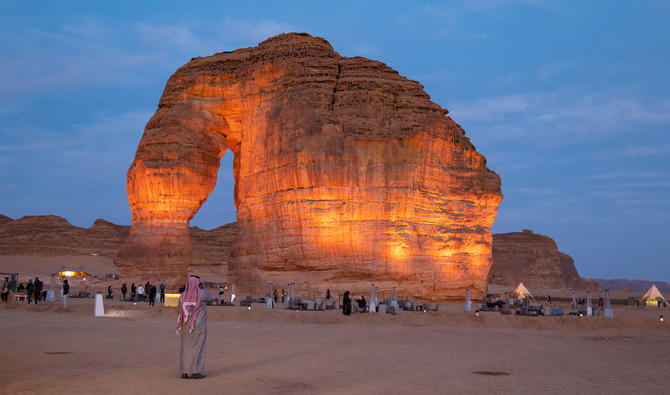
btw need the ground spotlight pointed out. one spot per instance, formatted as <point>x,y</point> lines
<point>476,313</point>
<point>661,319</point>
<point>249,308</point>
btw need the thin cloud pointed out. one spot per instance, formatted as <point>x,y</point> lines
<point>179,38</point>
<point>649,150</point>
<point>629,174</point>
<point>539,115</point>
<point>491,108</point>
<point>256,31</point>
<point>95,53</point>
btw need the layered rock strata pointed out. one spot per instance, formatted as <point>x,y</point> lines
<point>345,173</point>
<point>533,259</point>
<point>53,236</point>
<point>50,235</point>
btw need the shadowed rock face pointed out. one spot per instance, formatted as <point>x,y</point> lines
<point>533,259</point>
<point>345,173</point>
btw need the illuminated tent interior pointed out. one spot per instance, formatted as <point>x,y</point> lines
<point>79,272</point>
<point>521,292</point>
<point>653,296</point>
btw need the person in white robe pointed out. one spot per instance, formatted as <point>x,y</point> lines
<point>192,328</point>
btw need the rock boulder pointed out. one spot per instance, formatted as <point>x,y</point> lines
<point>345,173</point>
<point>533,259</point>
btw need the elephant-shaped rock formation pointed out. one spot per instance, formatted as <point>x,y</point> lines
<point>345,174</point>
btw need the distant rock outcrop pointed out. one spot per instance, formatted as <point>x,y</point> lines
<point>4,219</point>
<point>50,235</point>
<point>635,285</point>
<point>533,259</point>
<point>53,235</point>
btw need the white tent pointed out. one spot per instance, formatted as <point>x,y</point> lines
<point>653,296</point>
<point>521,292</point>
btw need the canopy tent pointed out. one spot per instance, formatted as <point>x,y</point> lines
<point>521,292</point>
<point>653,296</point>
<point>71,272</point>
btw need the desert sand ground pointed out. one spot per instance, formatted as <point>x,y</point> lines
<point>134,349</point>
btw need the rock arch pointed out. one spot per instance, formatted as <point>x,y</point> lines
<point>345,173</point>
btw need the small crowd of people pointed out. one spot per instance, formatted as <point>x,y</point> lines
<point>34,290</point>
<point>275,295</point>
<point>141,293</point>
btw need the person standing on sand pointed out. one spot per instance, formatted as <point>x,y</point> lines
<point>283,295</point>
<point>152,295</point>
<point>38,289</point>
<point>328,296</point>
<point>193,336</point>
<point>5,290</point>
<point>346,304</point>
<point>133,289</point>
<point>163,291</point>
<point>124,291</point>
<point>221,295</point>
<point>12,284</point>
<point>66,292</point>
<point>275,296</point>
<point>12,287</point>
<point>30,289</point>
<point>140,293</point>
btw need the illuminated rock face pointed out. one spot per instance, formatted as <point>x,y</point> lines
<point>345,173</point>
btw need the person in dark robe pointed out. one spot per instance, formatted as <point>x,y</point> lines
<point>275,295</point>
<point>30,290</point>
<point>283,295</point>
<point>346,304</point>
<point>133,289</point>
<point>124,291</point>
<point>12,284</point>
<point>39,285</point>
<point>5,290</point>
<point>163,291</point>
<point>152,295</point>
<point>362,303</point>
<point>192,328</point>
<point>109,291</point>
<point>328,296</point>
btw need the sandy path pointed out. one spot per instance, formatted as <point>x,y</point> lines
<point>53,351</point>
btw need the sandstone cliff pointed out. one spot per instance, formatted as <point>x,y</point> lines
<point>345,173</point>
<point>533,259</point>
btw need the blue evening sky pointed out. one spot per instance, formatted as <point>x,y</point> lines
<point>568,100</point>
